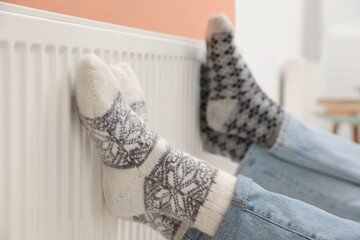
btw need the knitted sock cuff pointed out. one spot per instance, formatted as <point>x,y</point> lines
<point>216,204</point>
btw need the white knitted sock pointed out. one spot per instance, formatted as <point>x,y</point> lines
<point>133,95</point>
<point>130,88</point>
<point>155,177</point>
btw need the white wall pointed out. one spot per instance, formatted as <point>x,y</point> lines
<point>275,36</point>
<point>269,33</point>
<point>341,49</point>
<point>324,32</point>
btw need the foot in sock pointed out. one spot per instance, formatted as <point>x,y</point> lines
<point>151,176</point>
<point>133,95</point>
<point>236,104</point>
<point>215,142</point>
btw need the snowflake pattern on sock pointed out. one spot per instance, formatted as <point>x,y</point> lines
<point>256,116</point>
<point>167,226</point>
<point>139,108</point>
<point>226,145</point>
<point>178,185</point>
<point>123,139</point>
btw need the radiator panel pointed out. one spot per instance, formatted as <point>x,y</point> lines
<point>50,174</point>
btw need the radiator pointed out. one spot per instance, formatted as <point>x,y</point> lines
<point>50,175</point>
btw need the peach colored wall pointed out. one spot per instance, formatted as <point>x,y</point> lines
<point>185,18</point>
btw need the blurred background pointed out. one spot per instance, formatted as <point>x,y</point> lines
<point>306,54</point>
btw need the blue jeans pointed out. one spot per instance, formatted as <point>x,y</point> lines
<point>304,163</point>
<point>313,166</point>
<point>257,214</point>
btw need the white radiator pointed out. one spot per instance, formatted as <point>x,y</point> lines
<point>50,176</point>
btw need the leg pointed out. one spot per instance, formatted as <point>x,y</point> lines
<point>142,173</point>
<point>317,150</point>
<point>326,192</point>
<point>237,110</point>
<point>232,103</point>
<point>257,214</point>
<point>274,172</point>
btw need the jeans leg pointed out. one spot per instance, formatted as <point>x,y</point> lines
<point>332,194</point>
<point>318,150</point>
<point>257,214</point>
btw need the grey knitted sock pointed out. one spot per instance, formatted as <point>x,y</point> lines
<point>215,142</point>
<point>236,106</point>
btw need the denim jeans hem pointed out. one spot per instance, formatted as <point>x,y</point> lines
<point>227,228</point>
<point>280,141</point>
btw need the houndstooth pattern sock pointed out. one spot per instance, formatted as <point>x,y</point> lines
<point>237,105</point>
<point>169,228</point>
<point>226,145</point>
<point>152,176</point>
